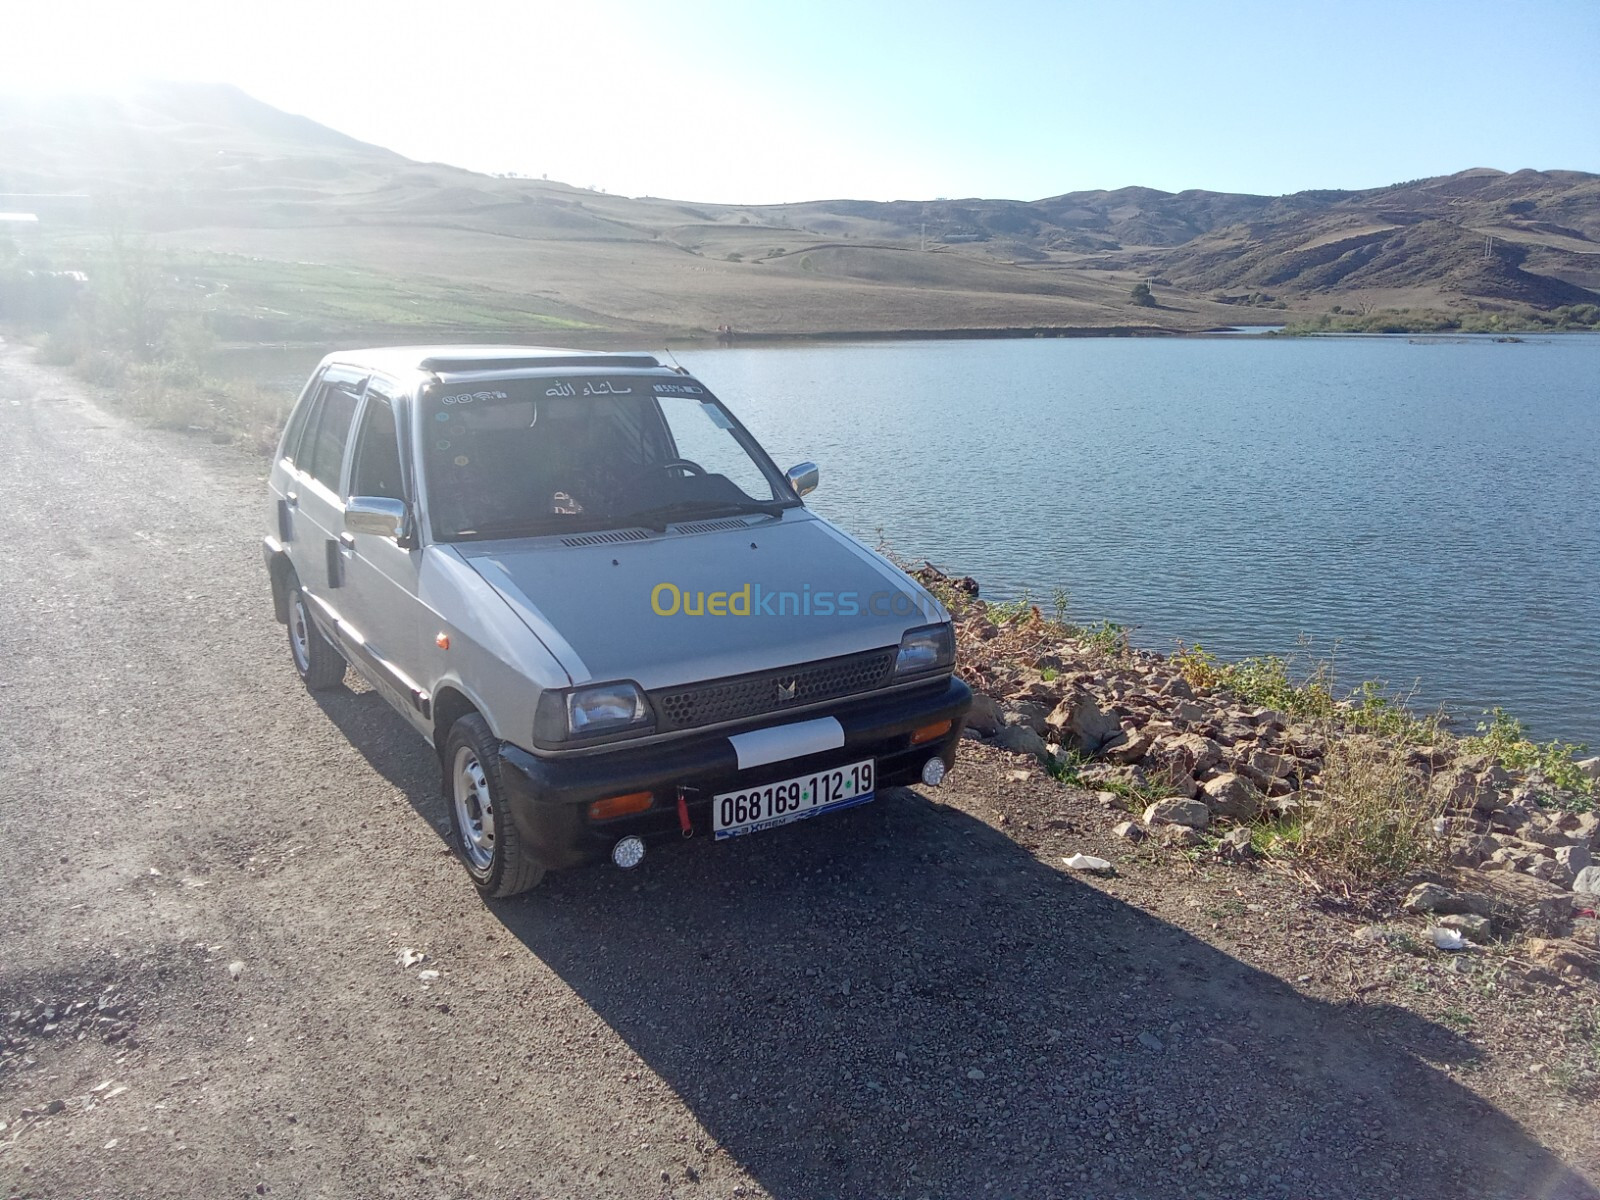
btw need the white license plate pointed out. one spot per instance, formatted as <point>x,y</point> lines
<point>774,804</point>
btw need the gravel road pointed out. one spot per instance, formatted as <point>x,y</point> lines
<point>216,889</point>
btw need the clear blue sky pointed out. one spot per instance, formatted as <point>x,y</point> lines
<point>761,102</point>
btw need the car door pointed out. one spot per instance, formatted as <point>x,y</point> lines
<point>379,588</point>
<point>315,495</point>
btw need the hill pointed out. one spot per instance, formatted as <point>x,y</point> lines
<point>287,228</point>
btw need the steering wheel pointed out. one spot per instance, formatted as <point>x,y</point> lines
<point>685,464</point>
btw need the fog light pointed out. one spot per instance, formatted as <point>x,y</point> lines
<point>628,853</point>
<point>933,771</point>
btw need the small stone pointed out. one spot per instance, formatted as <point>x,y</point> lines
<point>1130,831</point>
<point>235,969</point>
<point>54,1107</point>
<point>975,1075</point>
<point>1235,845</point>
<point>1150,1041</point>
<point>1180,837</point>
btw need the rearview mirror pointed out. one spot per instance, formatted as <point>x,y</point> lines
<point>375,514</point>
<point>803,478</point>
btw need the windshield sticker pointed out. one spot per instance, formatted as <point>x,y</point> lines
<point>441,417</point>
<point>462,460</point>
<point>715,413</point>
<point>470,397</point>
<point>679,389</point>
<point>603,387</point>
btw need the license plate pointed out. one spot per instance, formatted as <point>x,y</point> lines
<point>772,804</point>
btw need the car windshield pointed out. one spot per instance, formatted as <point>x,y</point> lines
<point>520,457</point>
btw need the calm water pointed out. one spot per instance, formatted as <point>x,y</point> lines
<point>1430,512</point>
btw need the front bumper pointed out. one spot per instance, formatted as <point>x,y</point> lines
<point>548,797</point>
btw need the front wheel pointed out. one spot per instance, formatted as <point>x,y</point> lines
<point>317,660</point>
<point>485,835</point>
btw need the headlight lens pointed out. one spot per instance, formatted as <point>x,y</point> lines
<point>926,648</point>
<point>586,712</point>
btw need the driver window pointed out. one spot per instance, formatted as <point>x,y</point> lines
<point>376,471</point>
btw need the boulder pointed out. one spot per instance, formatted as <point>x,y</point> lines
<point>1271,764</point>
<point>1435,898</point>
<point>1589,766</point>
<point>984,716</point>
<point>1230,795</point>
<point>1130,747</point>
<point>1186,754</point>
<point>1022,740</point>
<point>1084,727</point>
<point>1564,956</point>
<point>1178,811</point>
<point>1461,789</point>
<point>1189,712</point>
<point>1032,713</point>
<point>1179,686</point>
<point>1575,859</point>
<point>1587,882</point>
<point>1266,718</point>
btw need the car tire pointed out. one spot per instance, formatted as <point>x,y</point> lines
<point>316,659</point>
<point>486,837</point>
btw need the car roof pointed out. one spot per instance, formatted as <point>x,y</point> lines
<point>470,360</point>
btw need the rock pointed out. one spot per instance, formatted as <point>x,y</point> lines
<point>1589,766</point>
<point>1474,926</point>
<point>1551,871</point>
<point>235,969</point>
<point>984,716</point>
<point>1022,740</point>
<point>1564,956</point>
<point>1189,712</point>
<point>1587,881</point>
<point>1032,713</point>
<point>1186,754</point>
<point>1575,860</point>
<point>1178,811</point>
<point>1179,686</point>
<point>1460,789</point>
<point>1425,898</point>
<point>1150,1041</point>
<point>1230,795</point>
<point>1132,747</point>
<point>1131,831</point>
<point>1235,846</point>
<point>1084,727</point>
<point>1180,837</point>
<point>1496,778</point>
<point>1266,718</point>
<point>54,1107</point>
<point>1473,850</point>
<point>1271,765</point>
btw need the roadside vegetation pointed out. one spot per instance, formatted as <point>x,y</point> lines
<point>1430,320</point>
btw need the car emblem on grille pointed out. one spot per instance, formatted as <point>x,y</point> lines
<point>786,690</point>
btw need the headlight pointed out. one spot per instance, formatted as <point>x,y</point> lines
<point>590,712</point>
<point>925,649</point>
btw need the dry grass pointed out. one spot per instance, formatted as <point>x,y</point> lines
<point>1375,819</point>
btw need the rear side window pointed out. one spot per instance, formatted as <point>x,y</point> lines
<point>323,450</point>
<point>298,420</point>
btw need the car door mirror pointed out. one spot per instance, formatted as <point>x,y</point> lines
<point>803,478</point>
<point>375,514</point>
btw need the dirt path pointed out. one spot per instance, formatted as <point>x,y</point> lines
<point>207,877</point>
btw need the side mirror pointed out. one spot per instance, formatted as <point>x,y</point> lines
<point>375,514</point>
<point>803,478</point>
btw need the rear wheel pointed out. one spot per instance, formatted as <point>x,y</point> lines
<point>486,837</point>
<point>316,658</point>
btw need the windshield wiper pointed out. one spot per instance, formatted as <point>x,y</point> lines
<point>659,517</point>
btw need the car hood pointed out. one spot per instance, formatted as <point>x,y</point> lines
<point>801,590</point>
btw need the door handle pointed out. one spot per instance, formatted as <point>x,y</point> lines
<point>347,541</point>
<point>292,499</point>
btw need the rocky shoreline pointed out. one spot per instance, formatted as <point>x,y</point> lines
<point>1356,794</point>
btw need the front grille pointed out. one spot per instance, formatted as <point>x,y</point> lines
<point>740,696</point>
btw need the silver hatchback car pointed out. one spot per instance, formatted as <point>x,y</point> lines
<point>580,577</point>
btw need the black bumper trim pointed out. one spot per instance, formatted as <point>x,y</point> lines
<point>548,797</point>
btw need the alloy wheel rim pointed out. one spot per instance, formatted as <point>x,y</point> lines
<point>475,814</point>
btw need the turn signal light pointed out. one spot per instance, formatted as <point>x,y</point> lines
<point>929,732</point>
<point>621,806</point>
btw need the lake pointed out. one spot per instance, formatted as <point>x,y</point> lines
<point>1427,511</point>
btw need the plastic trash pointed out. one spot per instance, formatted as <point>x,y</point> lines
<point>1086,862</point>
<point>1447,939</point>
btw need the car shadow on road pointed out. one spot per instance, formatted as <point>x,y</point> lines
<point>901,1001</point>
